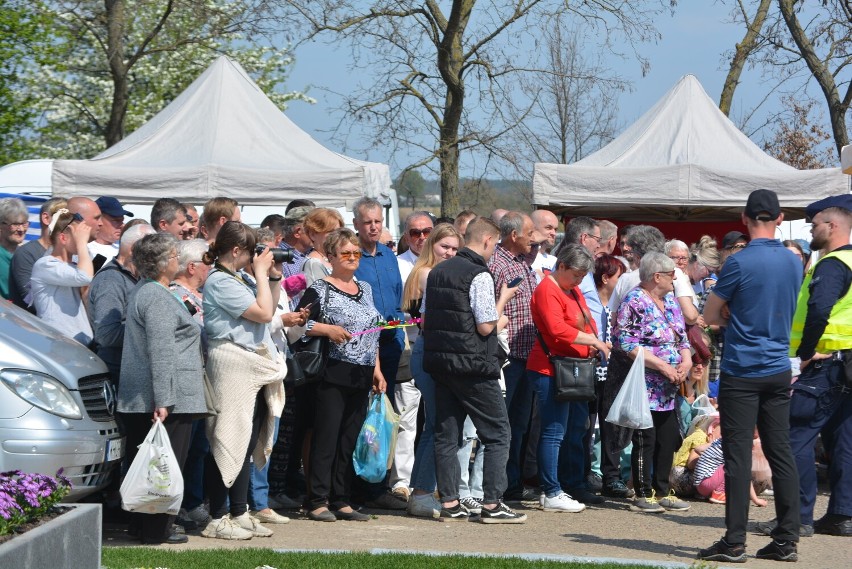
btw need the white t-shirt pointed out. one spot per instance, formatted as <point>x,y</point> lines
<point>108,251</point>
<point>544,262</point>
<point>628,281</point>
<point>55,292</point>
<point>483,303</point>
<point>406,263</point>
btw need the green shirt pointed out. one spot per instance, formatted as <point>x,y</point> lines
<point>5,263</point>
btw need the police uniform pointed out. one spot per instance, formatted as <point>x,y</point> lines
<point>821,402</point>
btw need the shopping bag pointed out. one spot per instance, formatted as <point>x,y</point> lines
<point>375,442</point>
<point>154,483</point>
<point>631,407</point>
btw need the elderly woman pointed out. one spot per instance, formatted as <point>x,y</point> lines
<point>161,367</point>
<point>56,283</point>
<point>246,372</point>
<point>14,221</point>
<point>566,328</point>
<point>351,371</point>
<point>318,224</point>
<point>649,319</point>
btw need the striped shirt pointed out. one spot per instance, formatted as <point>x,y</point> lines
<point>709,461</point>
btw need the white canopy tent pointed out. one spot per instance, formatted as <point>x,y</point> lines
<point>683,160</point>
<point>222,137</point>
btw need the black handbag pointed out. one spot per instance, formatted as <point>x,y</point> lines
<point>574,377</point>
<point>307,364</point>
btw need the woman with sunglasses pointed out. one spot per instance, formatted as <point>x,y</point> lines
<point>56,285</point>
<point>246,372</point>
<point>352,370</point>
<point>649,319</point>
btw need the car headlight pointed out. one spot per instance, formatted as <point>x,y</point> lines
<point>42,391</point>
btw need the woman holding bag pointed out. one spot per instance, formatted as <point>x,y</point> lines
<point>352,368</point>
<point>161,368</point>
<point>566,328</point>
<point>246,372</point>
<point>649,319</point>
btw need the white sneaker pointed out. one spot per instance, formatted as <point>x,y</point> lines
<point>424,506</point>
<point>250,523</point>
<point>270,517</point>
<point>199,515</point>
<point>562,502</point>
<point>225,528</point>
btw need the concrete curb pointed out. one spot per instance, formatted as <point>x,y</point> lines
<point>69,541</point>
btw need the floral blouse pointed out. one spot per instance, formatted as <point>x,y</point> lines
<point>641,323</point>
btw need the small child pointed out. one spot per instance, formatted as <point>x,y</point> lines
<point>708,466</point>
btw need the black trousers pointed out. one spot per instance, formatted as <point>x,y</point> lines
<point>614,438</point>
<point>340,413</point>
<point>237,494</point>
<point>155,528</point>
<point>765,402</point>
<point>653,449</point>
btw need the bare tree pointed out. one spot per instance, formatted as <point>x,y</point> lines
<point>749,43</point>
<point>445,73</point>
<point>797,141</point>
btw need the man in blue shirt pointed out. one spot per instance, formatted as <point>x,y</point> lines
<point>379,267</point>
<point>754,299</point>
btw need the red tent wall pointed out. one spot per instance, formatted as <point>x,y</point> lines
<point>687,231</point>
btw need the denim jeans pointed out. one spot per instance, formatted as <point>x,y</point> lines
<point>573,452</point>
<point>820,402</point>
<point>423,473</point>
<point>743,403</point>
<point>471,474</point>
<point>519,397</point>
<point>481,399</point>
<point>258,496</point>
<point>554,419</point>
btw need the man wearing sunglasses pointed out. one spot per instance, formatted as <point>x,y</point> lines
<point>418,226</point>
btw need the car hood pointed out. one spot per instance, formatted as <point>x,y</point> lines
<point>26,342</point>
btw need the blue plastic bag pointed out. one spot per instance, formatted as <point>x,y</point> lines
<point>375,442</point>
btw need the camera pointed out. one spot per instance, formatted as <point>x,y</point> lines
<point>280,255</point>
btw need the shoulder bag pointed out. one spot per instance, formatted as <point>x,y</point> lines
<point>307,364</point>
<point>574,377</point>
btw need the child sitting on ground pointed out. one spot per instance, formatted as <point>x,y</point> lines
<point>708,467</point>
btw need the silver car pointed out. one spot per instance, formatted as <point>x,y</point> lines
<point>56,405</point>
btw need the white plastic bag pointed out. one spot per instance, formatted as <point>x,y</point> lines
<point>631,407</point>
<point>154,483</point>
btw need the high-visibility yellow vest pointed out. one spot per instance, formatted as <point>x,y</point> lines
<point>838,330</point>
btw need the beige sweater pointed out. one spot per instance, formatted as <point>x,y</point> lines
<point>236,376</point>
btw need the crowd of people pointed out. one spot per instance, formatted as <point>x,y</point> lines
<point>196,318</point>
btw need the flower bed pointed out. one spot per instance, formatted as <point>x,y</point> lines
<point>27,498</point>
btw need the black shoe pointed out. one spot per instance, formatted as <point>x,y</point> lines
<point>457,513</point>
<point>766,528</point>
<point>594,482</point>
<point>502,514</point>
<point>187,524</point>
<point>723,551</point>
<point>323,516</point>
<point>173,539</point>
<point>585,497</point>
<point>617,489</point>
<point>386,501</point>
<point>523,494</point>
<point>778,551</point>
<point>353,516</point>
<point>834,524</point>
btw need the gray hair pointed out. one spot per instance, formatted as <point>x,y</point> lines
<point>675,245</point>
<point>652,263</point>
<point>134,234</point>
<point>151,254</point>
<point>644,239</point>
<point>575,256</point>
<point>366,204</point>
<point>265,234</point>
<point>416,215</point>
<point>13,210</point>
<point>190,252</point>
<point>512,221</point>
<point>577,227</point>
<point>608,229</point>
<point>166,209</point>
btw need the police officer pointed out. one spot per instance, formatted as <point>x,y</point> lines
<point>822,397</point>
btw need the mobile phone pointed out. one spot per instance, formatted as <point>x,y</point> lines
<point>515,282</point>
<point>98,262</point>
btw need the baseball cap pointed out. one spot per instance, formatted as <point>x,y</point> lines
<point>732,237</point>
<point>111,206</point>
<point>298,213</point>
<point>763,201</point>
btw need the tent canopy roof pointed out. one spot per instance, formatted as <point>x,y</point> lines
<point>682,160</point>
<point>221,137</point>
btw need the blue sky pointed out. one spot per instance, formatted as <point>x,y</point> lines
<point>693,41</point>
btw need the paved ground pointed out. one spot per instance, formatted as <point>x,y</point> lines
<point>609,531</point>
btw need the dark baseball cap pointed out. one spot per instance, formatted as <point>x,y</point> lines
<point>763,202</point>
<point>732,237</point>
<point>112,206</point>
<point>842,201</point>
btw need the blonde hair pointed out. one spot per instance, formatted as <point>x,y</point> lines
<point>427,260</point>
<point>706,253</point>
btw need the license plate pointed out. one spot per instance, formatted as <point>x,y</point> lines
<point>114,449</point>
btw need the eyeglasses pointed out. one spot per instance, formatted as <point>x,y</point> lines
<point>680,259</point>
<point>349,255</point>
<point>669,273</point>
<point>22,225</point>
<point>416,233</point>
<point>74,217</point>
<point>595,237</point>
<point>391,244</point>
<point>737,246</point>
